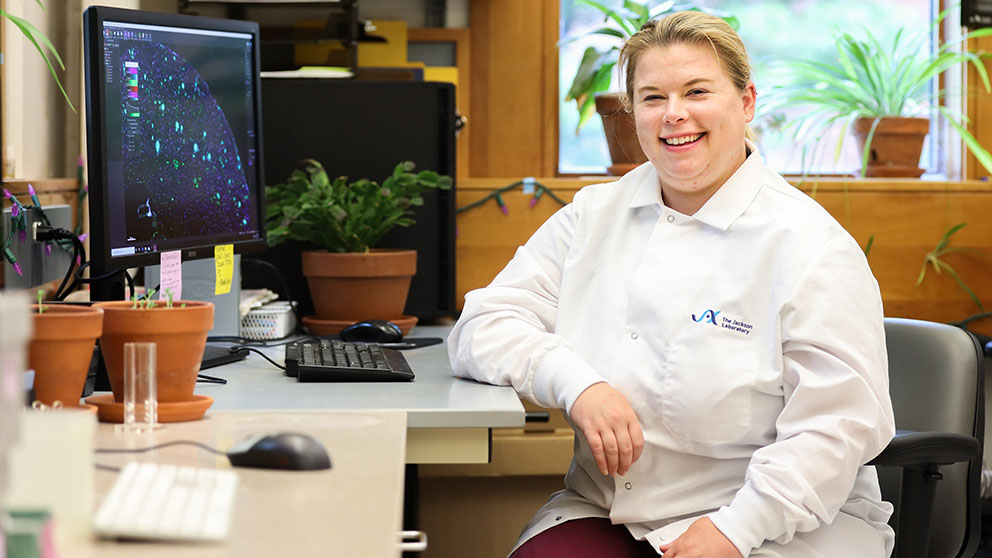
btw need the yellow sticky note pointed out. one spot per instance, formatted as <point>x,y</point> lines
<point>224,266</point>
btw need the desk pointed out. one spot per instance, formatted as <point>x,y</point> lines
<point>448,418</point>
<point>353,509</point>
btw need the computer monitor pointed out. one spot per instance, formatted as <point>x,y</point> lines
<point>173,131</point>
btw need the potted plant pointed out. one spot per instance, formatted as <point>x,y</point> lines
<point>879,91</point>
<point>349,280</point>
<point>595,72</point>
<point>179,330</point>
<point>61,350</point>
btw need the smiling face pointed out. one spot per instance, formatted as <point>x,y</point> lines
<point>691,121</point>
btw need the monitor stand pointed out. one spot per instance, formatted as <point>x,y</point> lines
<point>198,284</point>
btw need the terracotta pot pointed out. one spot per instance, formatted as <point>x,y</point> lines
<point>896,146</point>
<point>621,134</point>
<point>359,286</point>
<point>61,350</point>
<point>180,334</point>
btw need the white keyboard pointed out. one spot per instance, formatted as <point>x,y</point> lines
<point>168,502</point>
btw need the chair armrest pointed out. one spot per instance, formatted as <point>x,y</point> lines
<point>909,449</point>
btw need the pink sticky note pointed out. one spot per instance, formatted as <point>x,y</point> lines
<point>171,275</point>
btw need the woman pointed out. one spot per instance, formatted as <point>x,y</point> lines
<point>713,335</point>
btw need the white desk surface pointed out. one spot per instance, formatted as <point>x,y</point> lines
<point>353,509</point>
<point>434,399</point>
<point>448,418</point>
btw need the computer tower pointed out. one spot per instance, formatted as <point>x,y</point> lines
<point>362,129</point>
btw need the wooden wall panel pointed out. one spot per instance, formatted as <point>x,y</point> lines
<point>514,104</point>
<point>979,108</point>
<point>906,218</point>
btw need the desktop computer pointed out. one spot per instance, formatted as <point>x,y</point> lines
<point>174,140</point>
<point>174,130</point>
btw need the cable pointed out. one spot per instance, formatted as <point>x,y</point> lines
<point>210,379</point>
<point>80,279</point>
<point>159,446</point>
<point>540,190</point>
<point>972,318</point>
<point>265,356</point>
<point>45,233</point>
<point>236,339</point>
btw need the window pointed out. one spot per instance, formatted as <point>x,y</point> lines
<point>770,29</point>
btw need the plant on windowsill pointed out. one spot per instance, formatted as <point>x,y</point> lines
<point>590,86</point>
<point>349,279</point>
<point>882,93</point>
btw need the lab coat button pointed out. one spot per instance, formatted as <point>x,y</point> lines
<point>633,335</point>
<point>628,486</point>
<point>671,219</point>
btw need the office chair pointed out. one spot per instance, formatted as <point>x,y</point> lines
<point>931,471</point>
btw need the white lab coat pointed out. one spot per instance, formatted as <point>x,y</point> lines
<point>748,339</point>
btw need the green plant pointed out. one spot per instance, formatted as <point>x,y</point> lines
<point>595,69</point>
<point>41,296</point>
<point>342,216</point>
<point>871,80</point>
<point>935,259</point>
<point>147,302</point>
<point>41,44</point>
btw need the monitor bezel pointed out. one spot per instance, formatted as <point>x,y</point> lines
<point>94,18</point>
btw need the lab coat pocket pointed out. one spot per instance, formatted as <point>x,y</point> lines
<point>708,385</point>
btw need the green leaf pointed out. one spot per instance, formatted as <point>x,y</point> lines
<point>964,286</point>
<point>867,149</point>
<point>35,36</point>
<point>946,238</point>
<point>343,215</point>
<point>590,68</point>
<point>643,14</point>
<point>871,242</point>
<point>981,154</point>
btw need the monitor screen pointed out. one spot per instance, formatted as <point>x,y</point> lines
<point>173,133</point>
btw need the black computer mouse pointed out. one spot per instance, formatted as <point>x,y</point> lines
<point>372,331</point>
<point>286,450</point>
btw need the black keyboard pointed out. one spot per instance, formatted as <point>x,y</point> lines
<point>343,361</point>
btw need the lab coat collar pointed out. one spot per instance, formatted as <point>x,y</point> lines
<point>648,189</point>
<point>729,202</point>
<point>724,207</point>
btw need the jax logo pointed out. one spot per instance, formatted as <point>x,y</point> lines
<point>708,315</point>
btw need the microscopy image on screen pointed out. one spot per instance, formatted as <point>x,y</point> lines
<point>183,175</point>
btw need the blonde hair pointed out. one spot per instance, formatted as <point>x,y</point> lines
<point>688,27</point>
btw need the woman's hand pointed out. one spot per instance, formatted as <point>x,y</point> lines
<point>610,426</point>
<point>701,540</point>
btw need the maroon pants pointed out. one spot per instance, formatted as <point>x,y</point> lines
<point>592,537</point>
